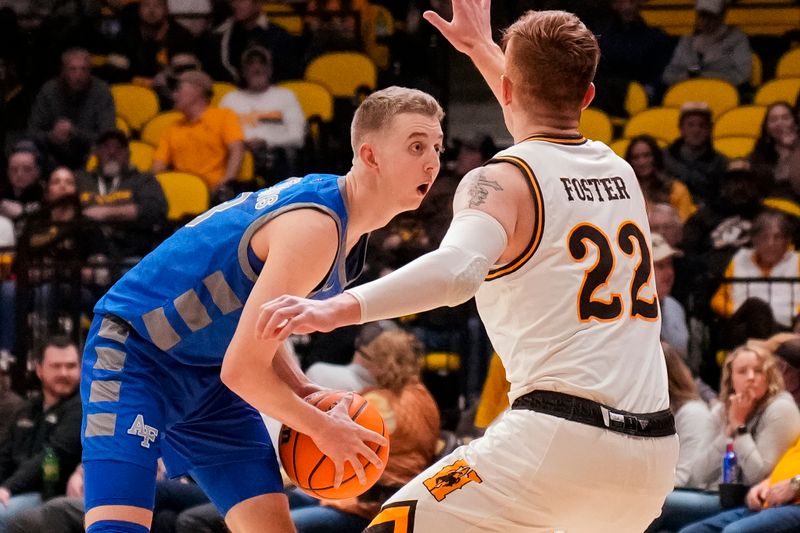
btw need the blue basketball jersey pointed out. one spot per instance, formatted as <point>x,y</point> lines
<point>187,295</point>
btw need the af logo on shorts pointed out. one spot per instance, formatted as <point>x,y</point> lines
<point>451,477</point>
<point>140,429</point>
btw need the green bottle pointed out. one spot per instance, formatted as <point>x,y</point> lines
<point>50,473</point>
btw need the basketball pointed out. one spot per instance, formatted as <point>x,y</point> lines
<point>313,472</point>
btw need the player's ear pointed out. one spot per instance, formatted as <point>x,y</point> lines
<point>505,89</point>
<point>588,97</point>
<point>366,152</point>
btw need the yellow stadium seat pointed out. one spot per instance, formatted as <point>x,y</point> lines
<point>141,157</point>
<point>123,126</point>
<point>156,126</point>
<point>220,89</point>
<point>789,65</point>
<point>636,98</point>
<point>343,73</point>
<point>134,103</point>
<point>735,147</point>
<point>742,121</point>
<point>315,99</point>
<point>720,95</point>
<point>620,146</point>
<point>757,77</point>
<point>783,90</point>
<point>186,194</point>
<point>248,170</point>
<point>660,122</point>
<point>378,25</point>
<point>285,16</point>
<point>596,125</point>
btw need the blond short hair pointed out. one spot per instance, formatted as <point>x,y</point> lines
<point>554,58</point>
<point>379,108</point>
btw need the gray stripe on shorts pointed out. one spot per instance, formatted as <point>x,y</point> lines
<point>109,359</point>
<point>192,310</point>
<point>222,293</point>
<point>104,391</point>
<point>159,329</point>
<point>100,425</point>
<point>113,330</point>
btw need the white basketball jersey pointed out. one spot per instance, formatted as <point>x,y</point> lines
<point>576,312</point>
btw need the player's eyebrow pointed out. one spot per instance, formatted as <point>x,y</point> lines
<point>422,134</point>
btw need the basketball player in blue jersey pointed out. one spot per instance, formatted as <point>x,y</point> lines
<point>173,366</point>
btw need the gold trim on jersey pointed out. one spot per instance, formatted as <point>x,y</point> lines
<point>572,140</point>
<point>538,220</point>
<point>394,518</point>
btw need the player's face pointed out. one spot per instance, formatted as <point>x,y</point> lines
<point>407,154</point>
<point>748,375</point>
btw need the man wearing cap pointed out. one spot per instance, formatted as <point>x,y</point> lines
<point>673,317</point>
<point>117,192</point>
<point>713,50</point>
<point>208,141</point>
<point>692,157</point>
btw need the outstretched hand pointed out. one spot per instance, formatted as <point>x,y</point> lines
<point>343,441</point>
<point>470,27</point>
<point>287,315</point>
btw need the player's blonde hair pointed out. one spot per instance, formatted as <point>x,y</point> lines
<point>553,59</point>
<point>771,371</point>
<point>380,107</point>
<point>394,359</point>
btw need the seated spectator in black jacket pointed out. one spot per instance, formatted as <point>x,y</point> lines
<point>249,26</point>
<point>145,47</point>
<point>71,110</point>
<point>23,193</point>
<point>692,157</point>
<point>51,420</point>
<point>130,204</point>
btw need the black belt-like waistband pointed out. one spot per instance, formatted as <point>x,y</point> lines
<point>660,424</point>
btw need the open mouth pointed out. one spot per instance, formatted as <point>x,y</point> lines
<point>423,188</point>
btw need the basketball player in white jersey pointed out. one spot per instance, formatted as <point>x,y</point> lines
<point>551,236</point>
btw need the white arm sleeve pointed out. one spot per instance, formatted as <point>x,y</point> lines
<point>448,276</point>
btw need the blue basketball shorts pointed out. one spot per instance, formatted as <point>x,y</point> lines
<point>140,404</point>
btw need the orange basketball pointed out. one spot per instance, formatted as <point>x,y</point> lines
<point>313,472</point>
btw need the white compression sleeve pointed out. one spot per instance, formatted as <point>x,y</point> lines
<point>448,276</point>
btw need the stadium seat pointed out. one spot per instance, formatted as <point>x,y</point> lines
<point>220,88</point>
<point>156,126</point>
<point>187,194</point>
<point>596,125</point>
<point>636,99</point>
<point>789,65</point>
<point>720,95</point>
<point>781,90</point>
<point>345,74</point>
<point>742,121</point>
<point>284,16</point>
<point>248,170</point>
<point>757,77</point>
<point>735,147</point>
<point>376,28</point>
<point>620,146</point>
<point>317,104</point>
<point>123,126</point>
<point>134,103</point>
<point>660,122</point>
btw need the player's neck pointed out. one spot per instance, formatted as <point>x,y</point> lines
<point>543,123</point>
<point>366,211</point>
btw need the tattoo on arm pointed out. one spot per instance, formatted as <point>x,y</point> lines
<point>479,189</point>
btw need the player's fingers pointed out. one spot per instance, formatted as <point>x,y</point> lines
<point>358,468</point>
<point>279,320</point>
<point>370,436</point>
<point>338,474</point>
<point>436,21</point>
<point>371,456</point>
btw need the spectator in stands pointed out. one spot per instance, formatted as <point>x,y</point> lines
<point>24,192</point>
<point>692,158</point>
<point>10,402</point>
<point>674,328</point>
<point>759,416</point>
<point>771,505</point>
<point>777,150</point>
<point>693,421</point>
<point>71,111</point>
<point>713,50</point>
<point>194,15</point>
<point>770,257</point>
<point>248,26</point>
<point>647,160</point>
<point>631,50</point>
<point>51,420</point>
<point>208,141</point>
<point>116,193</point>
<point>145,47</point>
<point>273,121</point>
<point>333,25</point>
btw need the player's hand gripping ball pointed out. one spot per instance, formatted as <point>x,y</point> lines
<point>313,472</point>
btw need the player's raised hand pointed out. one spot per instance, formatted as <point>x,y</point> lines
<point>471,25</point>
<point>343,441</point>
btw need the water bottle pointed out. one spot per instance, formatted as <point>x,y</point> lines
<point>730,468</point>
<point>50,473</point>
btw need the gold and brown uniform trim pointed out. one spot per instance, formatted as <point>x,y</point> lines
<point>572,140</point>
<point>395,517</point>
<point>538,219</point>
